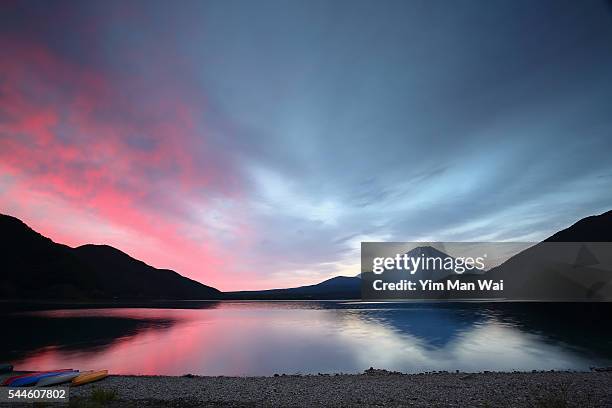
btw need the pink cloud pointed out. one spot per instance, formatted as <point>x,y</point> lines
<point>124,158</point>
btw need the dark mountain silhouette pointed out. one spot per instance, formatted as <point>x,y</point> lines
<point>596,228</point>
<point>572,264</point>
<point>35,267</point>
<point>126,277</point>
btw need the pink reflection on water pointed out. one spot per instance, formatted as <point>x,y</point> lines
<point>150,350</point>
<point>198,341</point>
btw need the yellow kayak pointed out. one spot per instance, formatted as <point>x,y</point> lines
<point>89,376</point>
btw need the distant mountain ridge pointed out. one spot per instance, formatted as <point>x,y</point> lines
<point>35,267</point>
<point>339,287</point>
<point>597,228</point>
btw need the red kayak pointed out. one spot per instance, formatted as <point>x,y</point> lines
<point>9,380</point>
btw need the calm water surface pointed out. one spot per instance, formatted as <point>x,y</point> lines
<point>263,338</point>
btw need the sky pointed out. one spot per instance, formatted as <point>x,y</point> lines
<point>253,145</point>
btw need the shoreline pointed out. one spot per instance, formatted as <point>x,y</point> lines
<point>370,389</point>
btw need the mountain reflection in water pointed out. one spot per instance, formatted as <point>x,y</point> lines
<point>263,338</point>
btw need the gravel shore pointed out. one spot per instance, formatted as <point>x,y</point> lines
<point>374,388</point>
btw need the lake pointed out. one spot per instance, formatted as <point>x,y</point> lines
<point>264,338</point>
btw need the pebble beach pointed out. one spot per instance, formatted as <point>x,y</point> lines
<point>373,388</point>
